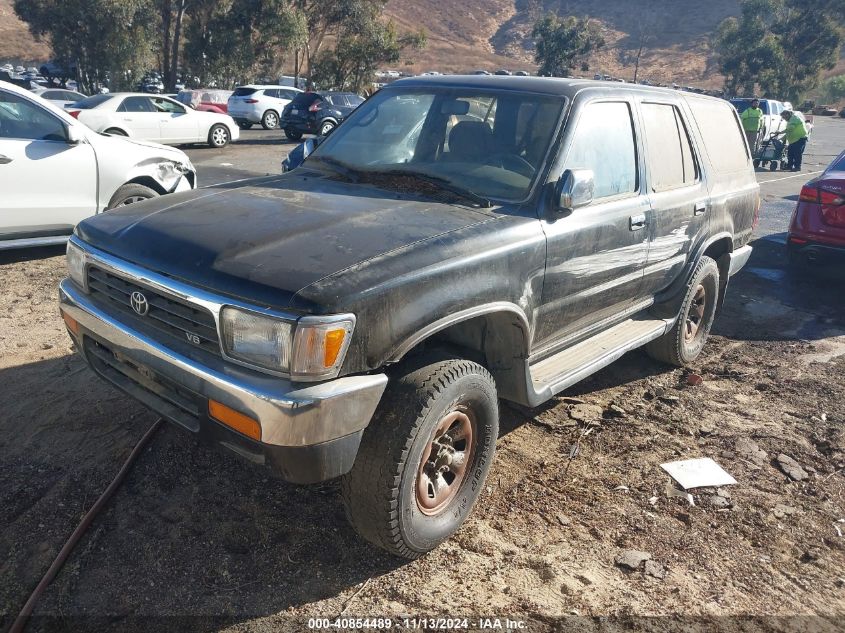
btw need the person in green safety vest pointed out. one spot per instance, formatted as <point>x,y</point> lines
<point>796,136</point>
<point>752,123</point>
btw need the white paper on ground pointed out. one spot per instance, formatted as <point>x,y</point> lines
<point>698,473</point>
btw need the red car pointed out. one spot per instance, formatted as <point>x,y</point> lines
<point>208,100</point>
<point>817,228</point>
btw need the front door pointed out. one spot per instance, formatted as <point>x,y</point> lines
<point>140,118</point>
<point>48,185</point>
<point>596,254</point>
<point>177,125</point>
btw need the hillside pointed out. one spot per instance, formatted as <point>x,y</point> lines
<point>464,35</point>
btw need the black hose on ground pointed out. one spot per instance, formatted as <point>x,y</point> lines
<point>20,622</point>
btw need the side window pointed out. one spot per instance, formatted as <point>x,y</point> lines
<point>166,105</point>
<point>271,92</point>
<point>604,143</point>
<point>20,119</point>
<point>136,104</point>
<point>722,134</point>
<point>51,94</point>
<point>670,160</point>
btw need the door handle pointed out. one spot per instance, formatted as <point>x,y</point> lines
<point>5,160</point>
<point>700,208</point>
<point>637,222</point>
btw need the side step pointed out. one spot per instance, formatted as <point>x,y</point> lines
<point>555,373</point>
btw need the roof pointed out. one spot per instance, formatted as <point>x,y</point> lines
<point>554,86</point>
<point>263,86</point>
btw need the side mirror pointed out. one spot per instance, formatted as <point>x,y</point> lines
<point>74,135</point>
<point>575,188</point>
<point>299,153</point>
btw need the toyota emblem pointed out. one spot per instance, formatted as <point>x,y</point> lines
<point>139,303</point>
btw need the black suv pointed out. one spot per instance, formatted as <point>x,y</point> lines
<point>317,112</point>
<point>457,241</point>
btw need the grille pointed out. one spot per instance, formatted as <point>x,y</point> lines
<point>163,396</point>
<point>177,320</point>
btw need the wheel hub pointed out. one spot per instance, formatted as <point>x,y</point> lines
<point>695,314</point>
<point>445,462</point>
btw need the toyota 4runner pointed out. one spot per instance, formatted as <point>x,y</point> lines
<point>457,241</point>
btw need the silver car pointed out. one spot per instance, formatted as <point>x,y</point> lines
<point>60,97</point>
<point>56,171</point>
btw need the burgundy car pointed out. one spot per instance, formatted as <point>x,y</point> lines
<point>208,100</point>
<point>817,229</point>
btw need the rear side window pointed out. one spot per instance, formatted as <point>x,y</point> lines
<point>305,99</point>
<point>136,104</point>
<point>243,92</point>
<point>722,134</point>
<point>91,102</point>
<point>670,159</point>
<point>604,143</point>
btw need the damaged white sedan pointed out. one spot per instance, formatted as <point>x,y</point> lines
<point>55,171</point>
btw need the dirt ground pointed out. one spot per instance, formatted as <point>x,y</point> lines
<point>196,533</point>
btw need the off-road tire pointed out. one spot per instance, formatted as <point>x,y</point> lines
<point>219,136</point>
<point>674,347</point>
<point>131,192</point>
<point>380,492</point>
<point>292,135</point>
<point>270,120</point>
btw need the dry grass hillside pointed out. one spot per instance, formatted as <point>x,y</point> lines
<point>16,43</point>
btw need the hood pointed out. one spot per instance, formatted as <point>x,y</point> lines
<point>263,241</point>
<point>158,150</point>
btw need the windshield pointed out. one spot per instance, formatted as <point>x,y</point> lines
<point>489,143</point>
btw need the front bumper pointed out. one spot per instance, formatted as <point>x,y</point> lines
<point>309,433</point>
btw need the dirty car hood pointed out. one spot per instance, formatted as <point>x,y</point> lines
<point>264,241</point>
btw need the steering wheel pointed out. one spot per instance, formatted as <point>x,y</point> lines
<point>513,163</point>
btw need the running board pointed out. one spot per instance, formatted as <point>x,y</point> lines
<point>552,375</point>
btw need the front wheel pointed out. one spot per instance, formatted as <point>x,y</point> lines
<point>683,343</point>
<point>326,127</point>
<point>244,125</point>
<point>219,136</point>
<point>130,194</point>
<point>425,456</point>
<point>773,166</point>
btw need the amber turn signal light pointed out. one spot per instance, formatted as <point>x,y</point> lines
<point>71,323</point>
<point>234,420</point>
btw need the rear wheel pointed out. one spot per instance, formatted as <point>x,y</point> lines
<point>115,132</point>
<point>683,343</point>
<point>219,136</point>
<point>244,125</point>
<point>130,194</point>
<point>270,120</point>
<point>756,164</point>
<point>292,135</point>
<point>425,456</point>
<point>773,165</point>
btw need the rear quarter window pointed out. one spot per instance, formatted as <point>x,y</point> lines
<point>722,134</point>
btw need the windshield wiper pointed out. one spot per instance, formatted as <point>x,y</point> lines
<point>338,167</point>
<point>443,183</point>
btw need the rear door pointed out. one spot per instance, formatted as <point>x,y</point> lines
<point>596,254</point>
<point>140,117</point>
<point>48,184</point>
<point>678,196</point>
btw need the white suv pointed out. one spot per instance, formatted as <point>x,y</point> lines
<point>249,105</point>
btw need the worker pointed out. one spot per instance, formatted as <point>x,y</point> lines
<point>752,123</point>
<point>796,136</point>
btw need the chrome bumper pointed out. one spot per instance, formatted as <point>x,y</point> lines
<point>290,414</point>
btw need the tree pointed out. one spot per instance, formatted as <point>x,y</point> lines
<point>780,46</point>
<point>109,41</point>
<point>564,44</point>
<point>834,88</point>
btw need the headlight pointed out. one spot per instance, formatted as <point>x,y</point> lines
<point>76,265</point>
<point>256,339</point>
<point>319,346</point>
<point>313,350</point>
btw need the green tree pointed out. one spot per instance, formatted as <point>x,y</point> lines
<point>834,88</point>
<point>109,41</point>
<point>564,44</point>
<point>780,46</point>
